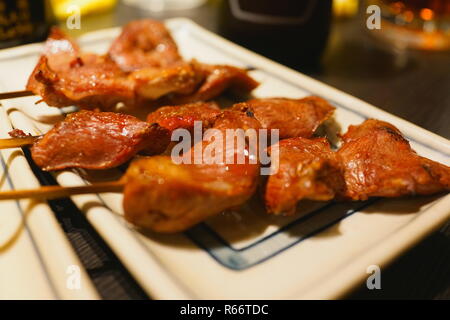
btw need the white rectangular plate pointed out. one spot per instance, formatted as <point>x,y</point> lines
<point>321,253</point>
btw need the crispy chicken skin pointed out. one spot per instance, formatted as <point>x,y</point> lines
<point>184,116</point>
<point>293,117</point>
<point>307,169</point>
<point>178,196</point>
<point>142,44</point>
<point>97,140</point>
<point>379,162</point>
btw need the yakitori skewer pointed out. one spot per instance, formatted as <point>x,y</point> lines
<point>163,196</point>
<point>54,192</point>
<point>18,142</point>
<point>160,195</point>
<point>375,160</point>
<point>16,94</point>
<point>142,68</point>
<point>101,140</point>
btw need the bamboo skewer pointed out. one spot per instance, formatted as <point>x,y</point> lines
<point>53,192</point>
<point>17,142</point>
<point>15,94</point>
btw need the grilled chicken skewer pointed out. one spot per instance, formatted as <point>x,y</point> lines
<point>187,194</point>
<point>142,66</point>
<point>375,160</point>
<point>379,162</point>
<point>162,196</point>
<point>66,76</point>
<point>203,189</point>
<point>176,196</point>
<point>102,140</point>
<point>307,169</point>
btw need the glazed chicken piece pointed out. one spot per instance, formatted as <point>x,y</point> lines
<point>304,169</point>
<point>184,116</point>
<point>217,79</point>
<point>65,76</point>
<point>293,117</point>
<point>143,44</point>
<point>102,140</point>
<point>147,43</point>
<point>97,140</point>
<point>152,84</point>
<point>81,85</point>
<point>178,196</point>
<point>379,162</point>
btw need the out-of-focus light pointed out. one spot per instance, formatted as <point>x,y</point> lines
<point>408,15</point>
<point>397,7</point>
<point>345,8</point>
<point>64,8</point>
<point>427,14</point>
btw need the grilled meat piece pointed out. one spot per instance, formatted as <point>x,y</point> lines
<point>134,76</point>
<point>216,80</point>
<point>176,117</point>
<point>379,162</point>
<point>17,133</point>
<point>293,117</point>
<point>93,83</point>
<point>97,140</point>
<point>304,169</point>
<point>163,196</point>
<point>143,44</point>
<point>76,141</point>
<point>65,76</point>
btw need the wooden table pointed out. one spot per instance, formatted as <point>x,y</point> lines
<point>411,85</point>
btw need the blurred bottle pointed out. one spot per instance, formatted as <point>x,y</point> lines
<point>345,8</point>
<point>290,31</point>
<point>24,21</point>
<point>418,24</point>
<point>64,8</point>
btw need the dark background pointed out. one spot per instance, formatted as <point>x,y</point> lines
<point>413,85</point>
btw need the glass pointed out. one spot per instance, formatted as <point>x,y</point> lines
<point>290,31</point>
<point>419,24</point>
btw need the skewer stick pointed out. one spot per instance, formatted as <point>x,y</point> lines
<point>54,192</point>
<point>15,94</point>
<point>17,142</point>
